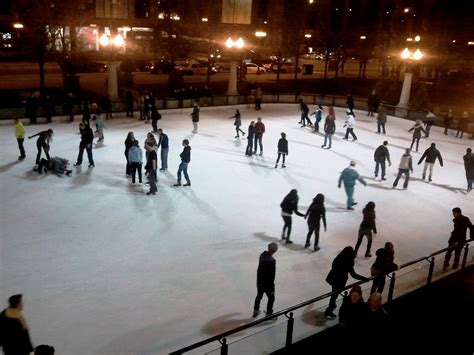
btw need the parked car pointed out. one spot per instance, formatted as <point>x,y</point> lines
<point>136,65</point>
<point>83,65</point>
<point>253,68</point>
<point>222,67</point>
<point>285,68</point>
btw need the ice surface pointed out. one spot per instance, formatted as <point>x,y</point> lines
<point>106,269</point>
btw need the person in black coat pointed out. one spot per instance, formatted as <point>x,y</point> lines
<point>469,166</point>
<point>458,237</point>
<point>282,150</point>
<point>380,155</point>
<point>266,279</point>
<point>183,167</point>
<point>342,266</point>
<point>42,143</point>
<point>304,114</point>
<point>155,117</point>
<point>382,266</point>
<point>352,314</point>
<point>366,228</point>
<point>129,100</point>
<point>288,206</point>
<point>14,335</point>
<point>128,144</point>
<point>250,138</point>
<point>195,117</point>
<point>314,214</point>
<point>350,102</point>
<point>329,130</point>
<point>87,137</point>
<point>431,154</point>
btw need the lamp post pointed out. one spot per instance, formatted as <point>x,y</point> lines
<point>112,44</point>
<point>232,88</point>
<point>410,57</point>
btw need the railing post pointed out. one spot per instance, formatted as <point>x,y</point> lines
<point>289,330</point>
<point>391,288</point>
<point>464,257</point>
<point>430,272</point>
<point>224,347</point>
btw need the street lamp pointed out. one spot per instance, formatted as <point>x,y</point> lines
<point>232,88</point>
<point>410,57</point>
<point>109,42</point>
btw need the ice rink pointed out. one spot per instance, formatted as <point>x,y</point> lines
<point>106,269</point>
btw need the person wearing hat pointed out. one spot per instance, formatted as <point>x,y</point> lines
<point>350,124</point>
<point>417,129</point>
<point>349,176</point>
<point>448,121</point>
<point>266,279</point>
<point>195,116</point>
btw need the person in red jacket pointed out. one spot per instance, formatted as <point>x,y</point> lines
<point>259,131</point>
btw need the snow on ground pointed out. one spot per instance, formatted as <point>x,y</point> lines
<point>106,269</point>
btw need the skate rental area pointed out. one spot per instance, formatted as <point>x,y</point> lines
<point>105,268</point>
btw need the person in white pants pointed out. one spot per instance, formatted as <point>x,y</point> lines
<point>431,154</point>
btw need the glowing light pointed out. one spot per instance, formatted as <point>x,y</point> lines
<point>119,41</point>
<point>260,34</point>
<point>18,25</point>
<point>104,40</point>
<point>417,38</point>
<point>406,10</point>
<point>417,55</point>
<point>229,43</point>
<point>240,43</point>
<point>470,43</point>
<point>204,19</point>
<point>363,37</point>
<point>307,35</point>
<point>405,54</point>
<point>454,41</point>
<point>409,39</point>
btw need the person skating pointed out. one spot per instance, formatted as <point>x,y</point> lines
<point>315,213</point>
<point>381,120</point>
<point>380,155</point>
<point>20,137</point>
<point>259,131</point>
<point>304,114</point>
<point>372,103</point>
<point>43,143</point>
<point>282,150</point>
<point>87,137</point>
<point>155,117</point>
<point>135,157</point>
<point>329,130</point>
<point>349,176</point>
<point>237,123</point>
<point>404,168</point>
<point>350,102</point>
<point>350,124</point>
<point>250,138</point>
<point>128,144</point>
<point>342,266</point>
<point>151,165</point>
<point>318,116</point>
<point>288,206</point>
<point>100,124</point>
<point>469,167</point>
<point>258,99</point>
<point>431,154</point>
<point>183,167</point>
<point>195,117</point>
<point>417,129</point>
<point>366,227</point>
<point>458,238</point>
<point>57,165</point>
<point>448,121</point>
<point>163,142</point>
<point>14,334</point>
<point>462,124</point>
<point>86,112</point>
<point>382,266</point>
<point>430,120</point>
<point>266,279</point>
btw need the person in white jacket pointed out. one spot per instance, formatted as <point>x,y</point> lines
<point>350,124</point>
<point>404,168</point>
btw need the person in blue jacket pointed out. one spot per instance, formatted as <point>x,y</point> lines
<point>349,176</point>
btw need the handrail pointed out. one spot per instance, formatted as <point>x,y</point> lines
<point>285,311</point>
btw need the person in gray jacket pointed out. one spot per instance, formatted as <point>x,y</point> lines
<point>406,165</point>
<point>381,154</point>
<point>381,120</point>
<point>135,157</point>
<point>431,154</point>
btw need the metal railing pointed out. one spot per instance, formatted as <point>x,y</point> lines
<point>288,312</point>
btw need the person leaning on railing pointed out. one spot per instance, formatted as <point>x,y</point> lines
<point>458,238</point>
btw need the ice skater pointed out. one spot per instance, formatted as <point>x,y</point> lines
<point>259,131</point>
<point>155,117</point>
<point>380,155</point>
<point>350,103</point>
<point>282,150</point>
<point>349,176</point>
<point>318,116</point>
<point>100,124</point>
<point>87,137</point>
<point>250,138</point>
<point>315,213</point>
<point>469,167</point>
<point>430,120</point>
<point>329,130</point>
<point>304,114</point>
<point>431,154</point>
<point>342,266</point>
<point>151,164</point>
<point>258,99</point>
<point>135,157</point>
<point>417,129</point>
<point>237,123</point>
<point>57,165</point>
<point>448,121</point>
<point>404,168</point>
<point>381,120</point>
<point>288,206</point>
<point>458,237</point>
<point>195,117</point>
<point>20,132</point>
<point>266,279</point>
<point>128,144</point>
<point>350,124</point>
<point>463,122</point>
<point>185,160</point>
<point>43,143</point>
<point>366,228</point>
<point>163,142</point>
